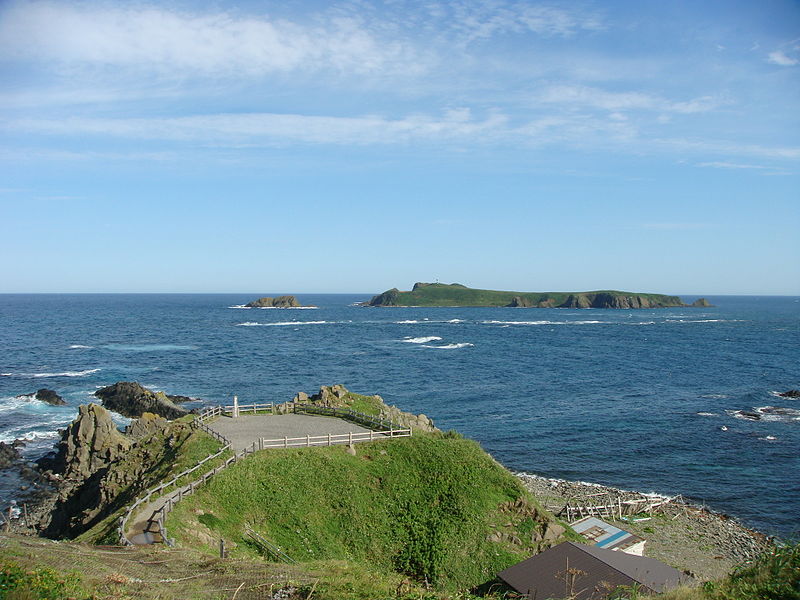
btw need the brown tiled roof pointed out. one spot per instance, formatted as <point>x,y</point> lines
<point>587,573</point>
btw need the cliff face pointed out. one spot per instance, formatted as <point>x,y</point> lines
<point>279,302</point>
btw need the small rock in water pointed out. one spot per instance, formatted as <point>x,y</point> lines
<point>790,394</point>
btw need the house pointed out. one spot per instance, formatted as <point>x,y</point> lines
<point>588,573</point>
<point>603,535</point>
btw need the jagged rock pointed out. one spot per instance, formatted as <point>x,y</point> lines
<point>146,425</point>
<point>50,397</point>
<point>520,302</point>
<point>8,455</point>
<point>576,301</point>
<point>790,394</point>
<point>701,303</point>
<point>279,302</point>
<point>132,400</point>
<point>91,442</point>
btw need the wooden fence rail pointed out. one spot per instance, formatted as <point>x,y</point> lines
<point>331,439</point>
<point>370,421</point>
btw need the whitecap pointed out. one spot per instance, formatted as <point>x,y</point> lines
<point>768,438</point>
<point>422,340</point>
<point>30,436</point>
<point>240,306</point>
<point>450,346</point>
<point>43,375</point>
<point>410,322</point>
<point>456,321</point>
<point>280,324</point>
<point>715,396</point>
<point>707,414</point>
<point>79,347</point>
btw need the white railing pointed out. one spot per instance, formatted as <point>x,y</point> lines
<point>330,439</point>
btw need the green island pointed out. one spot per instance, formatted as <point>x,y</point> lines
<point>455,294</point>
<point>430,516</point>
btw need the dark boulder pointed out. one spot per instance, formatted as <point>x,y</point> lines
<point>132,400</point>
<point>790,394</point>
<point>8,455</point>
<point>50,397</point>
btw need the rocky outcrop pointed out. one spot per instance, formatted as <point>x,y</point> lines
<point>338,396</point>
<point>520,302</point>
<point>90,443</point>
<point>8,455</point>
<point>98,469</point>
<point>50,397</point>
<point>132,400</point>
<point>701,303</point>
<point>617,300</point>
<point>387,298</point>
<point>790,394</point>
<point>279,302</point>
<point>544,530</point>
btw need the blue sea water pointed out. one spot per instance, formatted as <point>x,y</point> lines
<point>639,399</point>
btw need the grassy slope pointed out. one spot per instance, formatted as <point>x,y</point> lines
<point>421,506</point>
<point>439,294</point>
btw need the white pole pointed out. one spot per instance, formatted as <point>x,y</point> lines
<point>235,407</point>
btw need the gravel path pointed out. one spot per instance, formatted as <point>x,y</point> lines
<point>242,432</point>
<point>704,544</point>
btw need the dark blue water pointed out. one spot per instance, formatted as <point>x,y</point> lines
<point>636,399</point>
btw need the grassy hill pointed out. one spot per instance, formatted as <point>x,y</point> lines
<point>441,294</point>
<point>434,508</point>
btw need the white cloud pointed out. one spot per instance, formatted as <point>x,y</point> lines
<point>220,44</point>
<point>579,95</point>
<point>728,165</point>
<point>780,58</point>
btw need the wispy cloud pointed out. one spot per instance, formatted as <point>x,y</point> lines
<point>221,44</point>
<point>675,226</point>
<point>727,165</point>
<point>779,57</point>
<point>580,95</point>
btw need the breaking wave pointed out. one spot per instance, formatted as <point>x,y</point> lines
<point>280,324</point>
<point>767,413</point>
<point>62,374</point>
<point>548,322</point>
<point>450,346</point>
<point>422,340</point>
<point>79,347</point>
<point>148,347</point>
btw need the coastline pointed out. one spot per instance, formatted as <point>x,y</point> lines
<point>692,538</point>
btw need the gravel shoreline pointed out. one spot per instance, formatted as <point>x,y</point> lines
<point>694,539</point>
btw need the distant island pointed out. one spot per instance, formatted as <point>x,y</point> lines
<point>455,294</point>
<point>279,302</point>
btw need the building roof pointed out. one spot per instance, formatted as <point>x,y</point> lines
<point>605,535</point>
<point>587,573</point>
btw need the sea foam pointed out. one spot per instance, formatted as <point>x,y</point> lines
<point>450,346</point>
<point>422,340</point>
<point>61,374</point>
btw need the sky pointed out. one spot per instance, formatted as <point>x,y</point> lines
<point>306,146</point>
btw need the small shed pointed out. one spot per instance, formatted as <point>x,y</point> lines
<point>605,535</point>
<point>587,573</point>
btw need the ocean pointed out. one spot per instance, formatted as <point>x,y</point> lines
<point>651,400</point>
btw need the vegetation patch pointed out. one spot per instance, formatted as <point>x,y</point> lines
<point>424,507</point>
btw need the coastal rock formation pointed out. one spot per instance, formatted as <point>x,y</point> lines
<point>338,396</point>
<point>701,303</point>
<point>90,443</point>
<point>279,302</point>
<point>790,394</point>
<point>132,400</point>
<point>8,455</point>
<point>50,397</point>
<point>520,302</point>
<point>98,469</point>
<point>45,395</point>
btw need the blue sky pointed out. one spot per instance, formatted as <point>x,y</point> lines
<point>355,146</point>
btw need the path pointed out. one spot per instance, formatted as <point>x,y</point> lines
<point>245,430</point>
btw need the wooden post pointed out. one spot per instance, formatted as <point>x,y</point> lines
<point>351,438</point>
<point>391,430</point>
<point>285,442</point>
<point>222,549</point>
<point>329,439</point>
<point>370,435</point>
<point>260,443</point>
<point>308,440</point>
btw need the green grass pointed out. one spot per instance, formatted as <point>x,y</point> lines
<point>439,294</point>
<point>421,507</point>
<point>40,583</point>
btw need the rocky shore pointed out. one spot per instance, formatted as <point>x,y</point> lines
<point>694,539</point>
